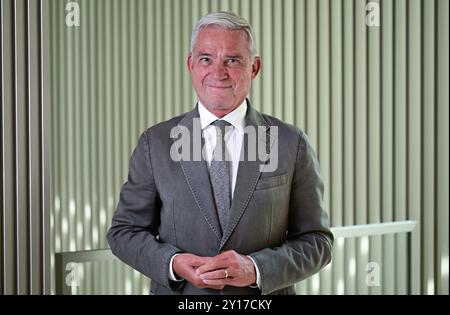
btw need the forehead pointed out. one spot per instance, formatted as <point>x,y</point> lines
<point>215,38</point>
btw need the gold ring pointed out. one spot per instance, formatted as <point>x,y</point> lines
<point>226,274</point>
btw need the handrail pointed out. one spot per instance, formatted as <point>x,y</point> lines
<point>62,259</point>
<point>373,229</point>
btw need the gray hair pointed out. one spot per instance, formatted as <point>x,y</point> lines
<point>226,20</point>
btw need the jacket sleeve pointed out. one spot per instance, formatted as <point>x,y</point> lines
<point>133,236</point>
<point>308,246</point>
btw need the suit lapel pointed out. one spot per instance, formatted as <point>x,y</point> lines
<point>197,177</point>
<point>248,173</point>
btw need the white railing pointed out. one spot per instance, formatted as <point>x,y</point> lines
<point>373,229</point>
<point>65,259</point>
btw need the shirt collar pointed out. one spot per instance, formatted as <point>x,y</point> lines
<point>236,118</point>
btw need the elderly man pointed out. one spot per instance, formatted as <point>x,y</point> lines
<point>224,223</point>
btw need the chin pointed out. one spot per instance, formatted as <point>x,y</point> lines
<point>225,108</point>
<point>221,103</point>
<point>217,105</point>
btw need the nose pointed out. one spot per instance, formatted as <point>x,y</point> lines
<point>219,71</point>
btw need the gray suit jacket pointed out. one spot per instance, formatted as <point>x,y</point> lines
<point>167,207</point>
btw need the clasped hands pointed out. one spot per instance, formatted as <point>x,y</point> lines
<point>227,268</point>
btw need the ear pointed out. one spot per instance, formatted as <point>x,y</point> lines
<point>190,62</point>
<point>256,66</point>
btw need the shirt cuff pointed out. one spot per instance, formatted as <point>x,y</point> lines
<point>171,273</point>
<point>258,277</point>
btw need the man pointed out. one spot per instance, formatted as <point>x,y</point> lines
<point>226,223</point>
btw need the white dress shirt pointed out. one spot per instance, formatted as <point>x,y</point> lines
<point>233,136</point>
<point>233,143</point>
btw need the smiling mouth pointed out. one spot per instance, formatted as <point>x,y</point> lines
<point>219,87</point>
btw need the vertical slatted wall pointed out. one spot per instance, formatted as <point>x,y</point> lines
<point>25,208</point>
<point>374,101</point>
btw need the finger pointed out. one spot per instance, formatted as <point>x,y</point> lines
<point>191,260</point>
<point>199,261</point>
<point>213,264</point>
<point>216,274</point>
<point>218,282</point>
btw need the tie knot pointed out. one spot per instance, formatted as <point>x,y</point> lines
<point>220,124</point>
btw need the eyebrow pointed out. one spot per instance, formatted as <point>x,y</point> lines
<point>204,54</point>
<point>235,56</point>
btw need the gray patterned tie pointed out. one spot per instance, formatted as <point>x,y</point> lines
<point>219,171</point>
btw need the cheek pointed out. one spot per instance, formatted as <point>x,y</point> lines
<point>243,82</point>
<point>242,78</point>
<point>198,78</point>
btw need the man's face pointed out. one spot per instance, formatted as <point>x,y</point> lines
<point>221,69</point>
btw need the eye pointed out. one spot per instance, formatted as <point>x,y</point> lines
<point>204,60</point>
<point>232,61</point>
